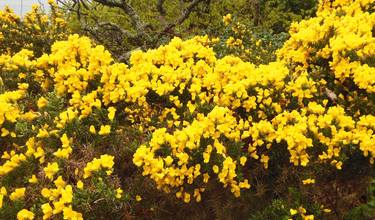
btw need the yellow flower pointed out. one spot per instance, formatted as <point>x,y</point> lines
<point>1,201</point>
<point>105,130</point>
<point>69,213</point>
<point>25,214</point>
<point>138,198</point>
<point>22,76</point>
<point>63,152</point>
<point>42,102</point>
<point>206,177</point>
<point>227,19</point>
<point>168,160</point>
<point>264,159</point>
<point>59,182</point>
<point>46,193</point>
<point>23,86</point>
<point>215,168</point>
<point>33,179</point>
<point>80,184</point>
<point>107,161</point>
<point>51,170</point>
<point>293,211</point>
<point>187,197</point>
<point>243,160</point>
<point>119,193</point>
<point>4,132</point>
<point>3,191</point>
<point>29,116</point>
<point>42,133</point>
<point>308,181</point>
<point>308,217</point>
<point>47,211</point>
<point>302,210</point>
<point>111,113</point>
<point>58,207</point>
<point>339,165</point>
<point>92,129</point>
<point>17,194</point>
<point>66,194</point>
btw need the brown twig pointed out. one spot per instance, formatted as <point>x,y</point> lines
<point>159,6</point>
<point>136,21</point>
<point>185,14</point>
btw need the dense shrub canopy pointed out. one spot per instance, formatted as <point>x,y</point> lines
<point>191,119</point>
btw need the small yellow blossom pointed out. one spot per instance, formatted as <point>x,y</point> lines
<point>293,212</point>
<point>19,193</point>
<point>4,132</point>
<point>3,191</point>
<point>243,160</point>
<point>42,102</point>
<point>25,214</point>
<point>119,193</point>
<point>215,168</point>
<point>51,170</point>
<point>104,130</point>
<point>47,211</point>
<point>308,181</point>
<point>111,113</point>
<point>33,179</point>
<point>92,129</point>
<point>227,19</point>
<point>80,184</point>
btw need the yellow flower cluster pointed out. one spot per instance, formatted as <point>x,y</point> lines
<point>70,75</point>
<point>46,73</point>
<point>25,214</point>
<point>104,162</point>
<point>9,111</point>
<point>33,31</point>
<point>9,114</point>
<point>177,167</point>
<point>61,198</point>
<point>65,149</point>
<point>302,212</point>
<point>17,194</point>
<point>342,35</point>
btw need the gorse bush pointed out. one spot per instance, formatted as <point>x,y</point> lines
<point>193,122</point>
<point>257,47</point>
<point>36,31</point>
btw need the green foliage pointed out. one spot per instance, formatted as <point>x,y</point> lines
<point>275,211</point>
<point>364,211</point>
<point>98,201</point>
<point>277,15</point>
<point>114,28</point>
